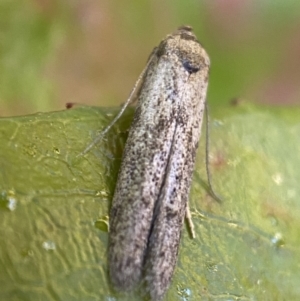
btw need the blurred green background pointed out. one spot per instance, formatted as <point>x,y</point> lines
<point>92,51</point>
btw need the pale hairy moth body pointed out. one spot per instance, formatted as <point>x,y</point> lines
<point>151,195</point>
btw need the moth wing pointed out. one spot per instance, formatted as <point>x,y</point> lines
<point>171,207</point>
<point>141,175</point>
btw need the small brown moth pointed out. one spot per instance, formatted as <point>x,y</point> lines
<point>150,200</point>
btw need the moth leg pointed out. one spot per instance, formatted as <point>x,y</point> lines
<point>189,220</point>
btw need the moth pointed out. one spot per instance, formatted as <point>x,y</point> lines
<point>151,195</point>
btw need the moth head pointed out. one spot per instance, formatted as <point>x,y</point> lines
<point>184,44</point>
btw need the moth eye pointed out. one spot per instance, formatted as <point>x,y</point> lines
<point>189,67</point>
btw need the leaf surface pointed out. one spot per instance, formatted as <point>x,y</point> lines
<point>54,207</point>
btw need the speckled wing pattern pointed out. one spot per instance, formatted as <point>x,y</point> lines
<point>153,185</point>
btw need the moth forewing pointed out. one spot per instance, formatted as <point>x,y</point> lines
<point>153,185</point>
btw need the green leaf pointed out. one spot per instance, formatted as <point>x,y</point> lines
<point>54,207</point>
